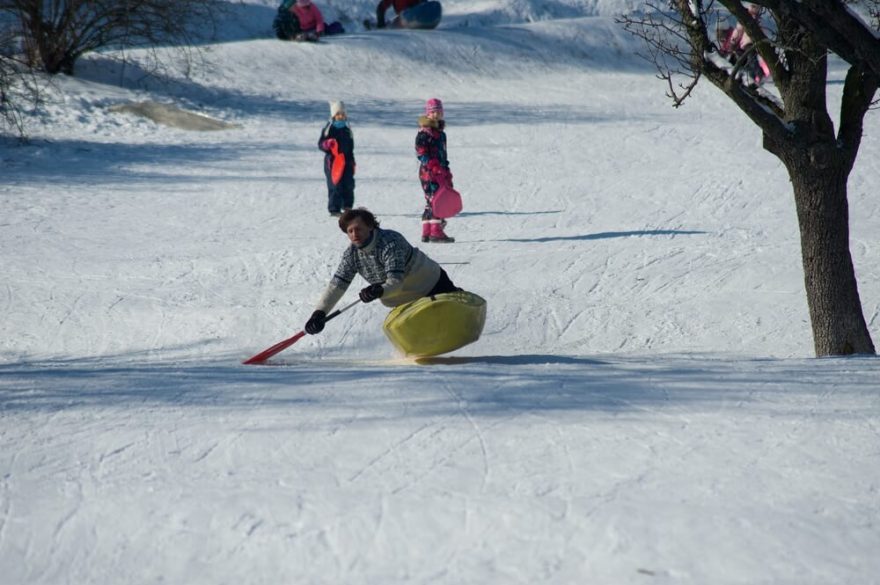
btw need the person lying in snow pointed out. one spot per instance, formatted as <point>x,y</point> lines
<point>301,20</point>
<point>398,5</point>
<point>311,21</point>
<point>396,271</point>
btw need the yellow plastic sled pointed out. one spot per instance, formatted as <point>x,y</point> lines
<point>433,325</point>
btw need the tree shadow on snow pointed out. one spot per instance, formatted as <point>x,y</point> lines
<point>478,213</point>
<point>97,162</point>
<point>474,213</point>
<point>604,236</point>
<point>80,162</point>
<point>489,386</point>
<point>511,360</point>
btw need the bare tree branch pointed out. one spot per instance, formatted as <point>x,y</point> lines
<point>793,117</point>
<point>18,87</point>
<point>838,28</point>
<point>62,30</point>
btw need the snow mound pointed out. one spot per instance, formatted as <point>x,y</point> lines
<point>173,116</point>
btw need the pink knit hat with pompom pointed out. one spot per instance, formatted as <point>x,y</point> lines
<point>433,105</point>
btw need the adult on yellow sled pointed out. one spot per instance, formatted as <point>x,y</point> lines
<point>431,316</point>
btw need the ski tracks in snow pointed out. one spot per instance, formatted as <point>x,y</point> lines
<point>6,491</point>
<point>454,438</point>
<point>461,405</point>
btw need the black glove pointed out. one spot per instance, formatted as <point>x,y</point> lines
<point>371,293</point>
<point>315,324</point>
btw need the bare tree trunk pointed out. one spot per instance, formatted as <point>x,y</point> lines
<point>819,164</point>
<point>60,32</point>
<point>836,316</point>
<point>51,46</point>
<point>797,128</point>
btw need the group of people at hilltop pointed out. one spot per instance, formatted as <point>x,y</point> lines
<point>302,20</point>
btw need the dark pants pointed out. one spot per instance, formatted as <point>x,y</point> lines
<point>340,196</point>
<point>444,285</point>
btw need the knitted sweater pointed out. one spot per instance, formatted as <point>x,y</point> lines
<point>404,271</point>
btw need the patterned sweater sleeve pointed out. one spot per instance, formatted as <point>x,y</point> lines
<point>340,282</point>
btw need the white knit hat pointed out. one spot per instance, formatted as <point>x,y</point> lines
<point>337,108</point>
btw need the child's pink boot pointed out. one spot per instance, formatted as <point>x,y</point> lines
<point>437,234</point>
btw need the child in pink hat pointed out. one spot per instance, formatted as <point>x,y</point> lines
<point>433,168</point>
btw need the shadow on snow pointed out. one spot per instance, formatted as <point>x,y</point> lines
<point>495,385</point>
<point>604,236</point>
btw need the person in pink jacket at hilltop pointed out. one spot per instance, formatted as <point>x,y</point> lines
<point>311,21</point>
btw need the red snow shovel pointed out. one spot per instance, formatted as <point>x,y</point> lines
<point>282,345</point>
<point>338,164</point>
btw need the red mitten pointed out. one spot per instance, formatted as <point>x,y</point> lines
<point>448,177</point>
<point>330,144</point>
<point>439,173</point>
<point>443,176</point>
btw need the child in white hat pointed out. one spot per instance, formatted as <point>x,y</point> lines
<point>337,143</point>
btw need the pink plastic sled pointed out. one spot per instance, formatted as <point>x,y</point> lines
<point>446,202</point>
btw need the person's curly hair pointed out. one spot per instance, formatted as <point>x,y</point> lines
<point>361,212</point>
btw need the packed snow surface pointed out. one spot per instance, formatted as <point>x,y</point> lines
<point>642,407</point>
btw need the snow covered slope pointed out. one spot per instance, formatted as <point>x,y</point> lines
<point>641,408</point>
